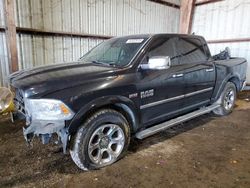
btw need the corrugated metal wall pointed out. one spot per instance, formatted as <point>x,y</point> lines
<point>227,19</point>
<point>101,17</point>
<point>105,17</point>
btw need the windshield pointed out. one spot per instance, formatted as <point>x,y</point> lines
<point>115,52</point>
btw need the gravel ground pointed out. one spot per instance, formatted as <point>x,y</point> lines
<point>208,151</point>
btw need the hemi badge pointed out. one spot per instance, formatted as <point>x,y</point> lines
<point>133,95</point>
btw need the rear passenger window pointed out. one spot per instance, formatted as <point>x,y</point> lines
<point>190,50</point>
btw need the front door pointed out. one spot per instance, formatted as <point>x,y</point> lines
<point>161,91</point>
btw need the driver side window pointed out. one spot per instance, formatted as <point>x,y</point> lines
<point>162,47</point>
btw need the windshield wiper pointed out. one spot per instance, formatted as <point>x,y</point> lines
<point>106,64</point>
<point>98,62</point>
<point>112,63</point>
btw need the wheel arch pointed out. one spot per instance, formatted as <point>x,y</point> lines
<point>119,103</point>
<point>235,79</point>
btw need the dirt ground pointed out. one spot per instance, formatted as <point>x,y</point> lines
<point>208,151</point>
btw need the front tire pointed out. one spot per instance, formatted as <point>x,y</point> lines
<point>227,100</point>
<point>101,140</point>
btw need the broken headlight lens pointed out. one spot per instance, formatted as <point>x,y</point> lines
<point>48,109</point>
<point>6,100</point>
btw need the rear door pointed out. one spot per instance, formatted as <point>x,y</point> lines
<point>199,73</point>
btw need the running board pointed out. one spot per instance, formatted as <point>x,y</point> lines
<point>160,127</point>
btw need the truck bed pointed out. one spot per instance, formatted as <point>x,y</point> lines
<point>235,66</point>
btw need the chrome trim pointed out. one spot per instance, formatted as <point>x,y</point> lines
<point>209,70</point>
<point>197,92</point>
<point>162,101</point>
<point>177,75</point>
<point>175,98</point>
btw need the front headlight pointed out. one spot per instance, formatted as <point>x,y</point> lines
<point>48,109</point>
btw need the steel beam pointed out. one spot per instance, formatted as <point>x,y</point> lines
<point>203,2</point>
<point>234,40</point>
<point>31,31</point>
<point>173,5</point>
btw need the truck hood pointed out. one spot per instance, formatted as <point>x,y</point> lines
<point>46,79</point>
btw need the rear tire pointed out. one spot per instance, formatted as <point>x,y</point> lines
<point>101,140</point>
<point>227,100</point>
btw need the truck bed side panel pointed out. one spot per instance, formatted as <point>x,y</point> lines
<point>226,70</point>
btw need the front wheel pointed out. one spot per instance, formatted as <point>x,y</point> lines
<point>101,140</point>
<point>227,100</point>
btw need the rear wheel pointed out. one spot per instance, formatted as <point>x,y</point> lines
<point>227,100</point>
<point>101,141</point>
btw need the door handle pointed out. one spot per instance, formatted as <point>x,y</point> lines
<point>209,70</point>
<point>177,75</point>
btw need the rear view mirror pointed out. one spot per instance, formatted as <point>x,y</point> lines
<point>158,62</point>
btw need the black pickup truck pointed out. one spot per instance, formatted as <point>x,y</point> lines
<point>126,86</point>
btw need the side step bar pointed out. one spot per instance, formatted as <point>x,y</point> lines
<point>157,128</point>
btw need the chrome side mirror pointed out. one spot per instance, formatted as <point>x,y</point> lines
<point>158,62</point>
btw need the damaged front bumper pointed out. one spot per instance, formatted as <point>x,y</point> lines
<point>37,126</point>
<point>45,129</point>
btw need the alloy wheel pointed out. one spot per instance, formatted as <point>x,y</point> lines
<point>229,99</point>
<point>106,144</point>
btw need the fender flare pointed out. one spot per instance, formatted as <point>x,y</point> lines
<point>121,102</point>
<point>231,77</point>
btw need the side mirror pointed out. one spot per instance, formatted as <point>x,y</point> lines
<point>158,62</point>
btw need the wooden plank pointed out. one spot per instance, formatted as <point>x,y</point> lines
<point>166,3</point>
<point>235,40</point>
<point>203,2</point>
<point>186,16</point>
<point>11,35</point>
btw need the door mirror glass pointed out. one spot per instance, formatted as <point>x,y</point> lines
<point>159,62</point>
